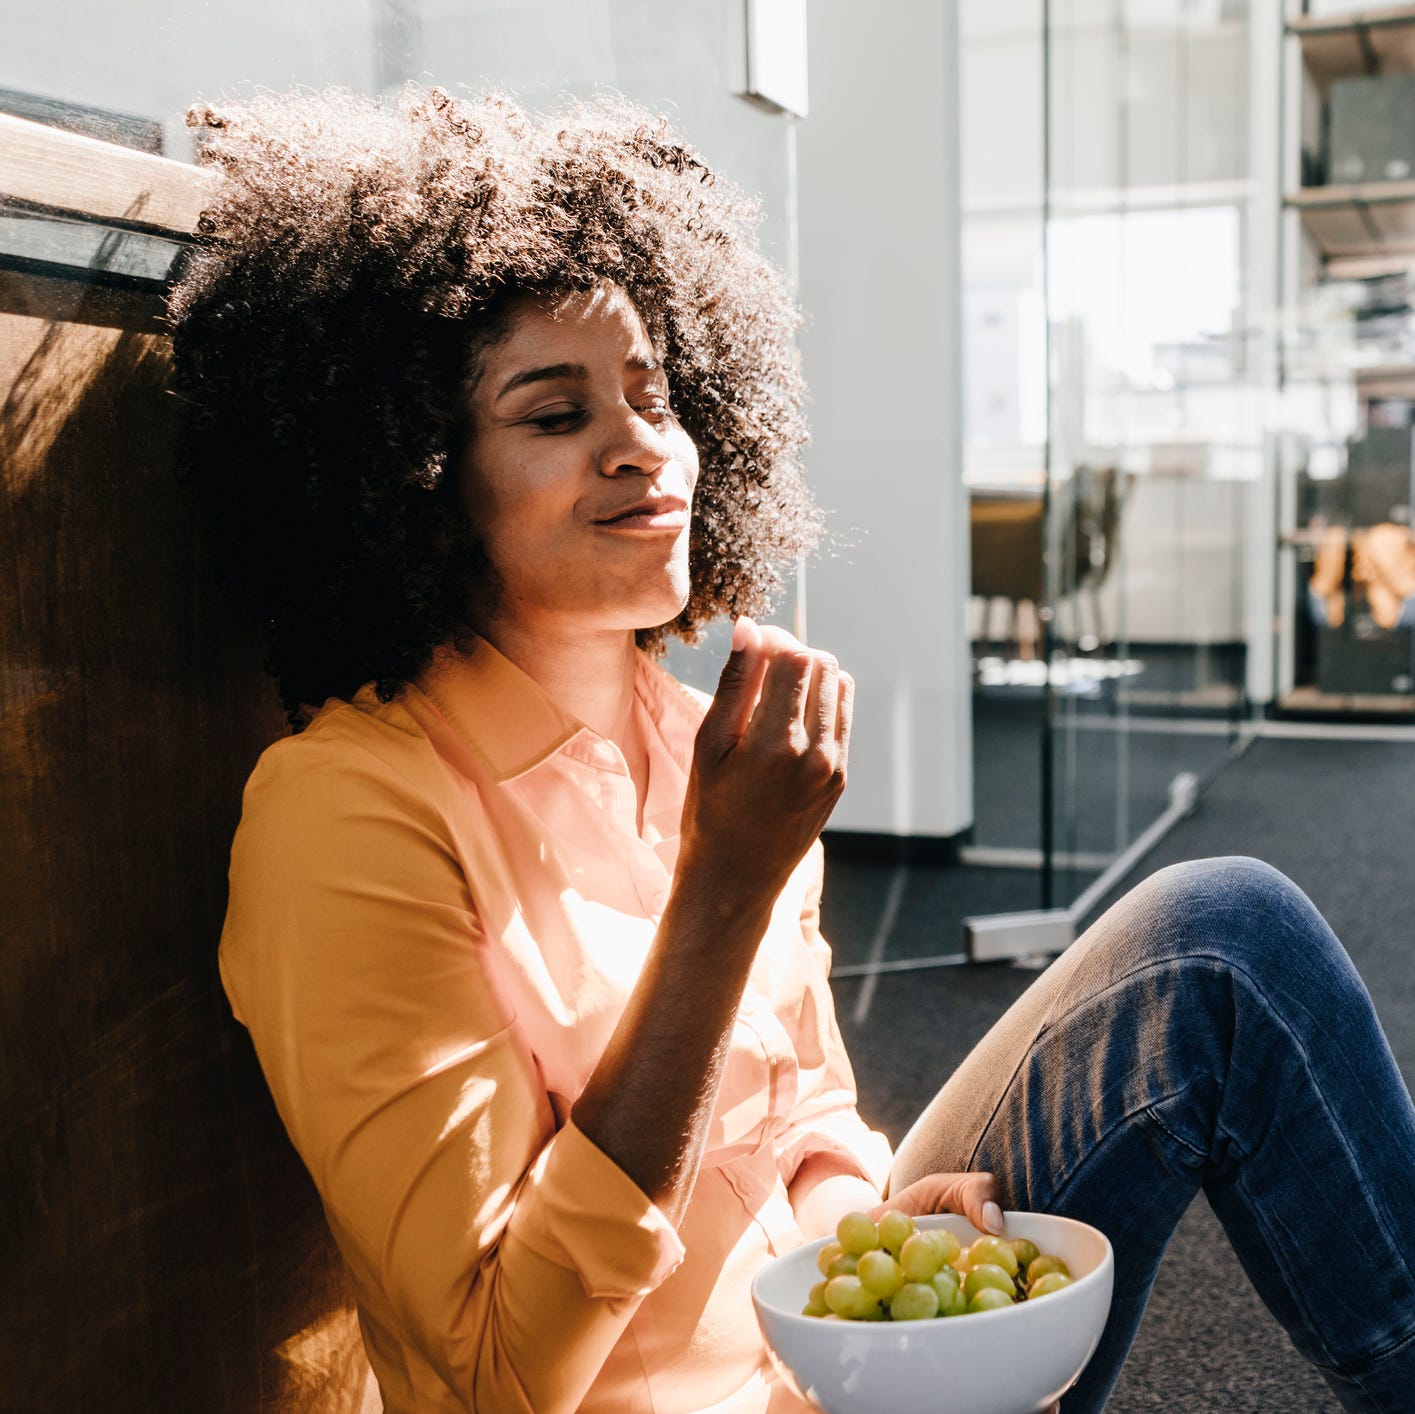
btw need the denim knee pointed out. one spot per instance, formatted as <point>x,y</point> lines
<point>1235,896</point>
<point>1234,881</point>
<point>1247,914</point>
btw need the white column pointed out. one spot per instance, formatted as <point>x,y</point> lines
<point>1275,111</point>
<point>879,268</point>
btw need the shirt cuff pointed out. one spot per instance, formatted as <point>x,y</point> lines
<point>580,1210</point>
<point>865,1151</point>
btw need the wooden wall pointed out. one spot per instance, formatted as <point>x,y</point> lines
<point>162,1248</point>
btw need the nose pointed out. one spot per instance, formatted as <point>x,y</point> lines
<point>634,446</point>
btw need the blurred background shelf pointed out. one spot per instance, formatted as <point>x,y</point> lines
<point>1371,41</point>
<point>1311,700</point>
<point>1359,220</point>
<point>1345,461</point>
<point>1386,380</point>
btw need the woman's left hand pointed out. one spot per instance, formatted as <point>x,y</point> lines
<point>974,1195</point>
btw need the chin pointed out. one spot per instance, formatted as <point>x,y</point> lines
<point>662,611</point>
<point>672,593</point>
<point>657,618</point>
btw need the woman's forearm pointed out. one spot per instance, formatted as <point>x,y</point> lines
<point>650,1100</point>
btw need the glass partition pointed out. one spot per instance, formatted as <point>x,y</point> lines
<point>1002,126</point>
<point>1114,437</point>
<point>1154,433</point>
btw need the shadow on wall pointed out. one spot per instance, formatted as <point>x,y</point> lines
<point>163,1246</point>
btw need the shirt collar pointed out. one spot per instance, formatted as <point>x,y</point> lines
<point>513,724</point>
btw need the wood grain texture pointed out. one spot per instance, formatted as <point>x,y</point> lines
<point>163,1246</point>
<point>51,170</point>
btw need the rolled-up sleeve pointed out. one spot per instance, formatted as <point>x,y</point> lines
<point>824,1118</point>
<point>508,1253</point>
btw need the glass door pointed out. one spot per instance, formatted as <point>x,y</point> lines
<point>1154,448</point>
<point>1114,235</point>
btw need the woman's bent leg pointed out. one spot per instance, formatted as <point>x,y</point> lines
<point>1208,1032</point>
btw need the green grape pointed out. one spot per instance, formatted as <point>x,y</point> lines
<point>908,1274</point>
<point>947,1243</point>
<point>985,1274</point>
<point>1044,1264</point>
<point>1047,1283</point>
<point>895,1229</point>
<point>846,1297</point>
<point>995,1251</point>
<point>914,1301</point>
<point>1026,1252</point>
<point>815,1302</point>
<point>919,1257</point>
<point>857,1234</point>
<point>951,1301</point>
<point>879,1273</point>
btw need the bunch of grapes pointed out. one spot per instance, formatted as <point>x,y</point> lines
<point>894,1271</point>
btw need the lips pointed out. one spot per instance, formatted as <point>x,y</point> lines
<point>650,513</point>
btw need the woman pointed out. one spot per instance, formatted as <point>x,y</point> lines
<point>525,933</point>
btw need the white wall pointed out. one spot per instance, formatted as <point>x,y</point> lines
<point>152,58</point>
<point>878,166</point>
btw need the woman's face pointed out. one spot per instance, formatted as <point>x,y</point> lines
<point>578,477</point>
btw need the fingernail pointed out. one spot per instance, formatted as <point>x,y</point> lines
<point>992,1217</point>
<point>741,633</point>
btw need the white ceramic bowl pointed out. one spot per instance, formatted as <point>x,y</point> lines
<point>1013,1361</point>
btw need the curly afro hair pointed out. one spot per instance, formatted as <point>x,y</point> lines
<point>355,261</point>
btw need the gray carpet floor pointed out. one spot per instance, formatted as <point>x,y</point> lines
<point>1339,819</point>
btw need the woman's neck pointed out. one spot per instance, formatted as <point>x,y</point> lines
<point>588,674</point>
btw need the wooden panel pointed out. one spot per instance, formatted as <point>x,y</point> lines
<point>56,299</point>
<point>163,1247</point>
<point>49,170</point>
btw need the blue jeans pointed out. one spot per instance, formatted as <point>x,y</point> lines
<point>1209,1032</point>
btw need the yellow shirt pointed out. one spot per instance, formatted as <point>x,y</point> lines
<point>438,909</point>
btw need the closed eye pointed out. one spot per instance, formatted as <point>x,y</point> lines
<point>565,421</point>
<point>654,408</point>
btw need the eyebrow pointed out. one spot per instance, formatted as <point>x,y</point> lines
<point>635,363</point>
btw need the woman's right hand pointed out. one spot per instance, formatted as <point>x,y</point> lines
<point>768,763</point>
